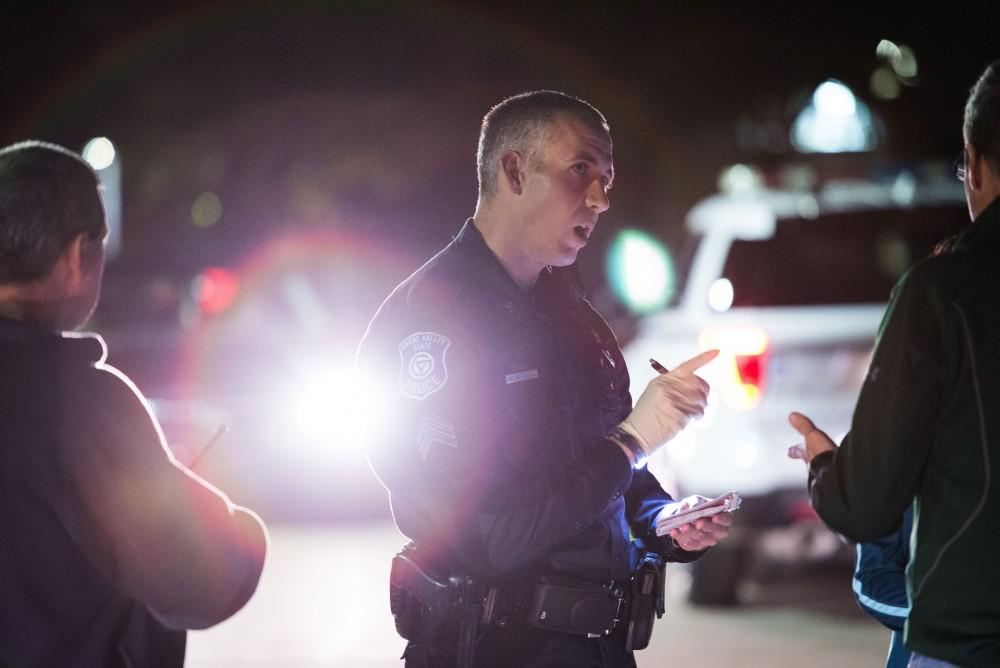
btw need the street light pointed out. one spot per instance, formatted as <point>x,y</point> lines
<point>101,154</point>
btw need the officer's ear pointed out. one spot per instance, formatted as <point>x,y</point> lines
<point>512,164</point>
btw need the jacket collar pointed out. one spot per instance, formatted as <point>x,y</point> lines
<point>89,345</point>
<point>15,330</point>
<point>984,230</point>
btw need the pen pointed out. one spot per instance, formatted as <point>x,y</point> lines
<point>215,437</point>
<point>659,368</point>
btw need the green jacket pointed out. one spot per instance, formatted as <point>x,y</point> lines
<point>926,431</point>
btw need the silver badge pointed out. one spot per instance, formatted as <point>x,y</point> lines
<point>423,371</point>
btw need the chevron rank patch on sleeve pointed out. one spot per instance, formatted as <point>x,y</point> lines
<point>435,430</point>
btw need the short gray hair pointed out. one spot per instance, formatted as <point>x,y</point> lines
<point>982,115</point>
<point>48,195</point>
<point>516,124</point>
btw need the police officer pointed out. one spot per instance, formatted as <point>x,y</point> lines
<point>510,448</point>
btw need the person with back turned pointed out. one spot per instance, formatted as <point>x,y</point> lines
<point>109,548</point>
<point>926,428</point>
<point>510,446</point>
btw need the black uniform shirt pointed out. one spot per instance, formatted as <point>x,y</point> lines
<point>496,406</point>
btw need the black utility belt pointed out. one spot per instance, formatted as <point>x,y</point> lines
<point>569,605</point>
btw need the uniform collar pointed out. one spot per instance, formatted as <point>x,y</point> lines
<point>984,230</point>
<point>487,265</point>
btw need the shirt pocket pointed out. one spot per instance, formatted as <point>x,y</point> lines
<point>538,421</point>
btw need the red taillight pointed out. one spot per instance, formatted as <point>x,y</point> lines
<point>215,289</point>
<point>752,369</point>
<point>743,356</point>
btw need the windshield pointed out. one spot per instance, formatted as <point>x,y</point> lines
<point>847,258</point>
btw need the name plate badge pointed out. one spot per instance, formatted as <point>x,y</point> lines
<point>521,376</point>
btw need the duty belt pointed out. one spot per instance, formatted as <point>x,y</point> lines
<point>562,604</point>
<point>427,609</point>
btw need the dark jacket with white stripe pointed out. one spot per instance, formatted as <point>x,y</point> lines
<point>927,426</point>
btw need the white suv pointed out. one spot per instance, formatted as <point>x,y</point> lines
<point>790,285</point>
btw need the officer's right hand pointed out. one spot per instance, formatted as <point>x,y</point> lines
<point>668,403</point>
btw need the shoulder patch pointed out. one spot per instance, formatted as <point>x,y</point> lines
<point>422,369</point>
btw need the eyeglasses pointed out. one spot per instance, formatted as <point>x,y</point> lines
<point>958,167</point>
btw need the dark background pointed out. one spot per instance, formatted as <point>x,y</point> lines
<point>363,115</point>
<point>340,137</point>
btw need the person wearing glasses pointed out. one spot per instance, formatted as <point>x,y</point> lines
<point>926,429</point>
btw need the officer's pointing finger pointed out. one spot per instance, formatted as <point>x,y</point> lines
<point>697,361</point>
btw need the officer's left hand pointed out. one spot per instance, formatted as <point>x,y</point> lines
<point>704,532</point>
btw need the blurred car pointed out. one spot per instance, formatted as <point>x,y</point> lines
<point>263,349</point>
<point>790,284</point>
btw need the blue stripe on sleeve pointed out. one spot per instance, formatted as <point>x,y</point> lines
<point>872,604</point>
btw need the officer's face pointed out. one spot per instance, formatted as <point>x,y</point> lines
<point>565,190</point>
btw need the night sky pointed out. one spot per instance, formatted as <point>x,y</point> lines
<point>368,111</point>
<point>364,115</point>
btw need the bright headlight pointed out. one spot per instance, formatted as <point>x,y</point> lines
<point>330,406</point>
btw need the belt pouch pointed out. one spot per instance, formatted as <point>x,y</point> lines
<point>573,606</point>
<point>645,604</point>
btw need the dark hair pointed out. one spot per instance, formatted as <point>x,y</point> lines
<point>48,195</point>
<point>982,116</point>
<point>517,122</point>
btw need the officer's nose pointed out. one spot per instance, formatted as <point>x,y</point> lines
<point>597,197</point>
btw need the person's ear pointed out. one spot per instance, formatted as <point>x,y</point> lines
<point>74,261</point>
<point>974,166</point>
<point>511,169</point>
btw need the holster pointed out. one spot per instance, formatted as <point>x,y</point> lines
<point>646,601</point>
<point>413,595</point>
<point>441,614</point>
